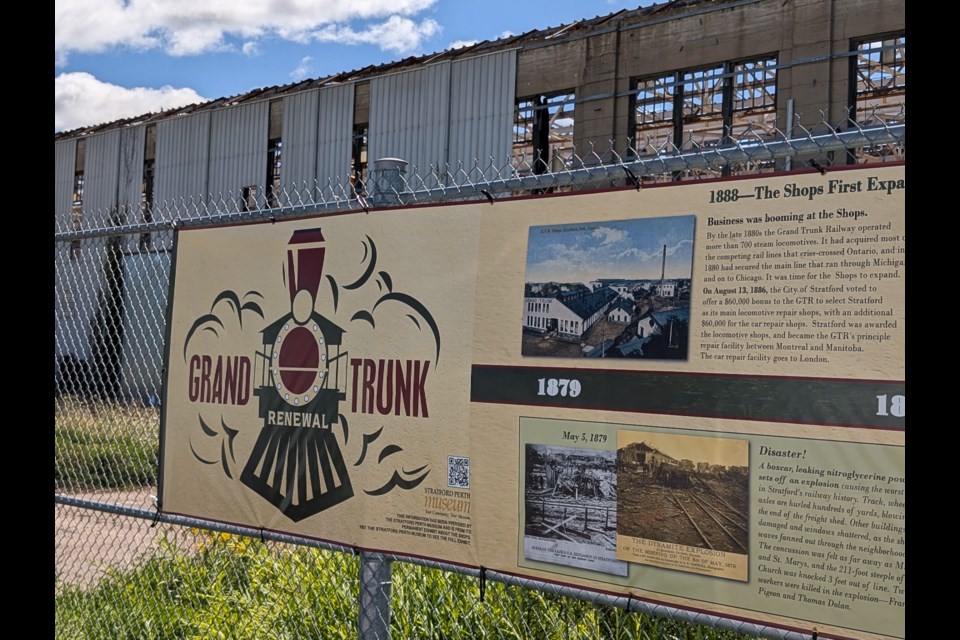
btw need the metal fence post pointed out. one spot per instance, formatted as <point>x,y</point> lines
<point>376,580</point>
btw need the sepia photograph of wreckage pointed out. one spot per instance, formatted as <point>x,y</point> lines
<point>685,490</point>
<point>570,514</point>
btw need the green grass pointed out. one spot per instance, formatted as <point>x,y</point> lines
<point>232,587</point>
<point>224,587</point>
<point>104,445</point>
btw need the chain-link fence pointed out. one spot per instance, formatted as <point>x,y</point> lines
<point>126,570</point>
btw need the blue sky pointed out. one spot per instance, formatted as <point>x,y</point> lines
<point>121,58</point>
<point>630,249</point>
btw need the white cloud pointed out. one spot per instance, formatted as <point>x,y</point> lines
<point>647,256</point>
<point>606,256</point>
<point>397,34</point>
<point>195,39</point>
<point>190,27</point>
<point>459,44</point>
<point>303,69</point>
<point>609,235</point>
<point>506,34</point>
<point>250,48</point>
<point>82,100</point>
<point>678,246</point>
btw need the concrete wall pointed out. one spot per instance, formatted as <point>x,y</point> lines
<point>803,34</point>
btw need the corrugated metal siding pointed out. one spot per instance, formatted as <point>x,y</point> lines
<point>101,179</point>
<point>64,157</point>
<point>130,180</point>
<point>65,296</point>
<point>73,305</point>
<point>409,118</point>
<point>238,154</point>
<point>183,149</point>
<point>146,277</point>
<point>334,140</point>
<point>299,156</point>
<point>482,95</point>
<point>85,278</point>
<point>131,172</point>
<point>63,304</point>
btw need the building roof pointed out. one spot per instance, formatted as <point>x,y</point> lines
<point>633,345</point>
<point>622,20</point>
<point>586,306</point>
<point>600,349</point>
<point>663,318</point>
<point>612,281</point>
<point>626,305</point>
<point>643,446</point>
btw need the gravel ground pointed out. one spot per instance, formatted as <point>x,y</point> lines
<point>88,543</point>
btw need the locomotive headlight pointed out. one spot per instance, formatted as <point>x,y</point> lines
<point>299,364</point>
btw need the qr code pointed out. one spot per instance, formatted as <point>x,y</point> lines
<point>458,472</point>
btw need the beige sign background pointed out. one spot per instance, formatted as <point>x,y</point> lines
<point>783,297</point>
<point>400,286</point>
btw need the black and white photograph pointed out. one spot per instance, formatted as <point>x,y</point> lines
<point>570,512</point>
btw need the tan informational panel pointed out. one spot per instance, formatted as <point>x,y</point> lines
<point>693,393</point>
<point>319,376</point>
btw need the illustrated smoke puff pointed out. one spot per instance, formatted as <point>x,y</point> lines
<point>296,462</point>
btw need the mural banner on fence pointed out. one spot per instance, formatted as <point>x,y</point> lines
<point>318,376</point>
<point>691,393</point>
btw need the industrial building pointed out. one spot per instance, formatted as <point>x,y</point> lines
<point>570,313</point>
<point>676,75</point>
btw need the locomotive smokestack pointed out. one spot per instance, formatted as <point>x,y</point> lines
<point>305,261</point>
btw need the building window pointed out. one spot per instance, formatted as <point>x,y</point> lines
<point>704,108</point>
<point>754,99</point>
<point>146,186</point>
<point>878,91</point>
<point>146,202</point>
<point>248,198</point>
<point>543,133</point>
<point>358,172</point>
<point>76,209</point>
<point>655,126</point>
<point>274,150</point>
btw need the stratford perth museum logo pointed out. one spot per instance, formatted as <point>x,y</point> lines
<point>306,384</point>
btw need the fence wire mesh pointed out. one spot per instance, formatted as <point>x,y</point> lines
<point>124,570</point>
